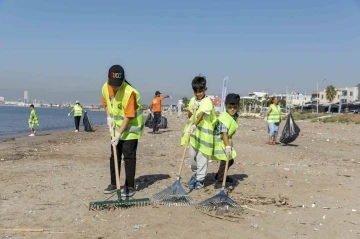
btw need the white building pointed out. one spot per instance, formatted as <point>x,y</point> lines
<point>297,99</point>
<point>349,94</point>
<point>2,100</point>
<point>26,96</point>
<point>257,95</point>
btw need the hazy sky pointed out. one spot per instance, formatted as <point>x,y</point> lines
<point>61,50</point>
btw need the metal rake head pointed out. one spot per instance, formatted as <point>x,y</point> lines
<point>116,204</point>
<point>175,195</point>
<point>219,201</point>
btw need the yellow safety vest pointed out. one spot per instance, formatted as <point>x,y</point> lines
<point>219,146</point>
<point>77,110</point>
<point>202,138</point>
<point>34,121</point>
<point>116,108</point>
<point>274,116</point>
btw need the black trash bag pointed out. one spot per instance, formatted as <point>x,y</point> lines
<point>148,121</point>
<point>87,123</point>
<point>163,123</point>
<point>290,132</point>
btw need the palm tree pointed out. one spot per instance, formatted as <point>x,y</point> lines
<point>330,93</point>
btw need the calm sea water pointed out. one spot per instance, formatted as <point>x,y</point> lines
<point>14,120</point>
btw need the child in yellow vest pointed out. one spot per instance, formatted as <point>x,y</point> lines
<point>226,127</point>
<point>33,120</point>
<point>200,127</point>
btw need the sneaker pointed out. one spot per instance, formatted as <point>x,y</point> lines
<point>127,192</point>
<point>192,180</point>
<point>110,189</point>
<point>32,135</point>
<point>76,131</point>
<point>198,185</point>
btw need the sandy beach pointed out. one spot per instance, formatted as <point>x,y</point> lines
<point>310,189</point>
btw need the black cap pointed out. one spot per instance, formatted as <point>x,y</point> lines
<point>232,99</point>
<point>116,75</point>
<point>157,92</point>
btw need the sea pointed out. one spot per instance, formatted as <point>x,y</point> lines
<point>14,120</point>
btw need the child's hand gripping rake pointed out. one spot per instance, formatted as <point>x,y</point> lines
<point>119,203</point>
<point>221,200</point>
<point>175,195</point>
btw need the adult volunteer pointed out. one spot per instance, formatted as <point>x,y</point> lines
<point>155,108</point>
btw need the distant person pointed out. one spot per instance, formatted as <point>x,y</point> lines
<point>273,118</point>
<point>33,120</point>
<point>77,109</point>
<point>155,108</point>
<point>124,114</point>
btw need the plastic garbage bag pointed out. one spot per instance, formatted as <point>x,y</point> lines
<point>148,121</point>
<point>87,123</point>
<point>290,132</point>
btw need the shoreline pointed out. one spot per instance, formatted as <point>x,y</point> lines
<point>41,133</point>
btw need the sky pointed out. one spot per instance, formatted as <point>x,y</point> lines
<point>60,51</point>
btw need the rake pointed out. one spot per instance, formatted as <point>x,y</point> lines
<point>175,195</point>
<point>119,203</point>
<point>221,200</point>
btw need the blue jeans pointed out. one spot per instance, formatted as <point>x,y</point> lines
<point>273,129</point>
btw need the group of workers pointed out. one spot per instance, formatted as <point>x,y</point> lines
<point>208,136</point>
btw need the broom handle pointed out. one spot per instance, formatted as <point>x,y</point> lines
<point>186,146</point>
<point>226,171</point>
<point>116,162</point>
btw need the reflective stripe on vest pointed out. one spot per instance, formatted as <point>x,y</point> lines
<point>274,116</point>
<point>119,117</point>
<point>77,110</point>
<point>219,146</point>
<point>135,128</point>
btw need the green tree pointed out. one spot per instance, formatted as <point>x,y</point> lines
<point>330,93</point>
<point>266,100</point>
<point>185,101</point>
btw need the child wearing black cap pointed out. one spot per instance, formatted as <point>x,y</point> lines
<point>225,128</point>
<point>125,118</point>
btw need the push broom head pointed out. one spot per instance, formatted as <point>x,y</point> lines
<point>119,203</point>
<point>219,201</point>
<point>175,195</point>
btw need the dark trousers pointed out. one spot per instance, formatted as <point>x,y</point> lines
<point>128,149</point>
<point>156,121</point>
<point>77,121</point>
<point>221,171</point>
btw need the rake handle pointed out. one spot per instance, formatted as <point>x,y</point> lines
<point>186,146</point>
<point>226,171</point>
<point>183,155</point>
<point>117,176</point>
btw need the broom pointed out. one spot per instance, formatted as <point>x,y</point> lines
<point>175,195</point>
<point>221,200</point>
<point>119,203</point>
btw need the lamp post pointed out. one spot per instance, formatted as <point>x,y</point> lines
<point>318,96</point>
